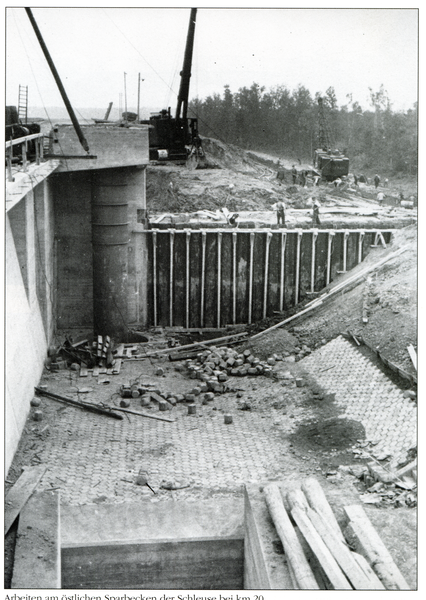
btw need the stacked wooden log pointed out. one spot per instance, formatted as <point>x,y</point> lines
<point>318,554</point>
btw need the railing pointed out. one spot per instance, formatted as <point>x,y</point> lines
<point>38,142</point>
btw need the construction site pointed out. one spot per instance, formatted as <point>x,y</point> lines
<point>199,394</point>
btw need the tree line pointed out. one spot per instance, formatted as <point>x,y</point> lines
<point>286,123</point>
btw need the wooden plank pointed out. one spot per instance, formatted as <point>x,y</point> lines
<point>201,564</point>
<point>342,554</point>
<point>323,554</point>
<point>369,544</point>
<point>139,414</point>
<point>19,494</point>
<point>37,563</point>
<point>318,501</point>
<point>293,550</point>
<point>413,355</point>
<point>117,366</point>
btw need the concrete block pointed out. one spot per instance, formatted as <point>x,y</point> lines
<point>38,415</point>
<point>192,409</point>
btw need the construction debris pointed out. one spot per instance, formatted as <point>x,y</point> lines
<point>19,494</point>
<point>83,405</point>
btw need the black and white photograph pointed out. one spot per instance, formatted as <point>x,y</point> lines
<point>210,300</point>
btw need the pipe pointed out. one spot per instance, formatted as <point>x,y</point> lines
<point>203,274</point>
<point>172,242</point>
<point>314,239</point>
<point>251,277</point>
<point>283,245</point>
<point>234,277</point>
<point>154,274</point>
<point>330,241</point>
<point>360,242</point>
<point>61,88</point>
<point>219,275</point>
<point>188,239</point>
<point>265,288</point>
<point>296,284</point>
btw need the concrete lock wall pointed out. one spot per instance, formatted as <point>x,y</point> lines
<point>29,301</point>
<point>212,278</point>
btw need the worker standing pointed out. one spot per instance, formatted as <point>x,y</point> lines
<point>315,213</point>
<point>280,208</point>
<point>376,180</point>
<point>294,174</point>
<point>280,173</point>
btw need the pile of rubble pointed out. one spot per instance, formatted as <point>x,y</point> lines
<point>384,483</point>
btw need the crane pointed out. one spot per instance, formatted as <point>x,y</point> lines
<point>176,138</point>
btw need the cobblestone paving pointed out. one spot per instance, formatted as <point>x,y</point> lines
<point>90,456</point>
<point>366,394</point>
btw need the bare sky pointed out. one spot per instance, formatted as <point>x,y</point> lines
<point>349,49</point>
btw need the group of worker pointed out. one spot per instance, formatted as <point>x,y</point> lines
<point>281,208</point>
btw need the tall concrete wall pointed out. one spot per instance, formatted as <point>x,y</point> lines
<point>85,270</point>
<point>30,298</point>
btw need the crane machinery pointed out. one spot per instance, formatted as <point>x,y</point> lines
<point>176,138</point>
<point>331,163</point>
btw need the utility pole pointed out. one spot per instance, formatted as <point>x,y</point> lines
<point>139,93</point>
<point>125,97</point>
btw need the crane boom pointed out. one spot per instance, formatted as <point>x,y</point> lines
<point>182,103</point>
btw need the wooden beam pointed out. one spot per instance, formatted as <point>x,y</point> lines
<point>368,543</point>
<point>19,494</point>
<point>413,355</point>
<point>37,563</point>
<point>296,558</point>
<point>343,556</point>
<point>318,501</point>
<point>323,554</point>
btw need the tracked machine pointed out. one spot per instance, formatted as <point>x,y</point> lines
<point>329,163</point>
<point>175,139</point>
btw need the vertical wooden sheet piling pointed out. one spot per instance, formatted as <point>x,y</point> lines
<point>215,277</point>
<point>154,275</point>
<point>250,298</point>
<point>314,239</point>
<point>329,248</point>
<point>283,245</point>
<point>265,287</point>
<point>188,241</point>
<point>219,275</point>
<point>203,276</point>
<point>172,243</point>
<point>296,284</point>
<point>360,242</point>
<point>345,251</point>
<point>234,277</point>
